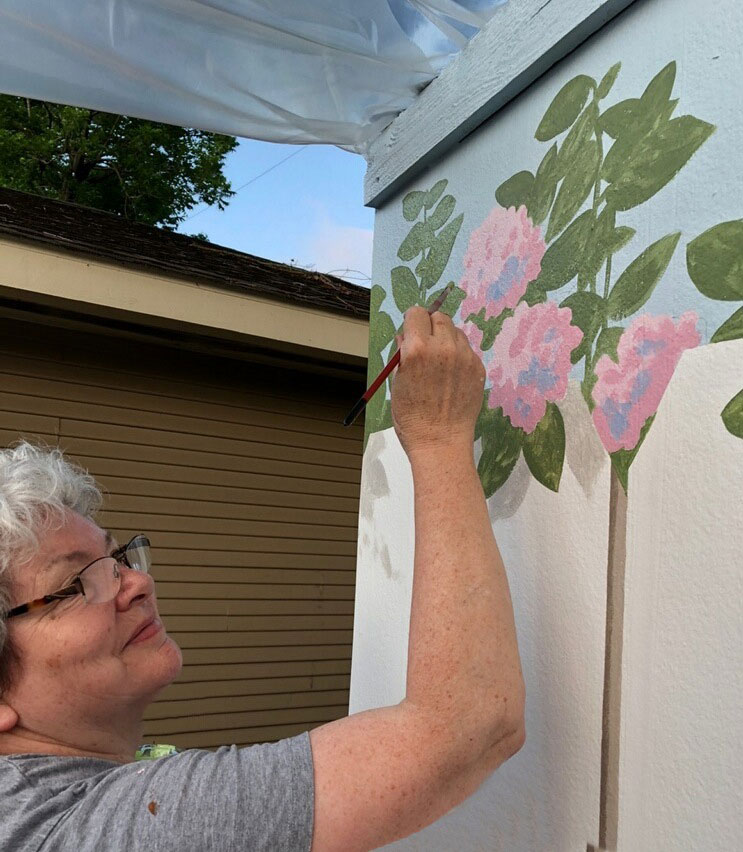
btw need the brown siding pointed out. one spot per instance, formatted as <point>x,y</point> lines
<point>247,485</point>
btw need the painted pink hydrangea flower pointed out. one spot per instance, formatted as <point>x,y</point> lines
<point>504,254</point>
<point>531,362</point>
<point>629,391</point>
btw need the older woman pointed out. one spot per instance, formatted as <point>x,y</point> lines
<point>83,652</point>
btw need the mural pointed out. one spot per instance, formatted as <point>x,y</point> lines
<point>559,226</point>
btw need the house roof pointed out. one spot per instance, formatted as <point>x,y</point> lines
<point>107,236</point>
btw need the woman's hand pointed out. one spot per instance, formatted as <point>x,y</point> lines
<point>438,386</point>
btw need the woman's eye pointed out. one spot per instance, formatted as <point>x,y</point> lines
<point>69,601</point>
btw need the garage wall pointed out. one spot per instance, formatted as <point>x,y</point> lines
<point>247,485</point>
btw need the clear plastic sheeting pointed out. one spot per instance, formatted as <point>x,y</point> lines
<point>332,71</point>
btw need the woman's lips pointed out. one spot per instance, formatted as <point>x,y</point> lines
<point>147,632</point>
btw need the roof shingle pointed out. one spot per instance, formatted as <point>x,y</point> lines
<point>109,237</point>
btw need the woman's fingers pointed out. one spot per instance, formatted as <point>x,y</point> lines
<point>442,326</point>
<point>417,325</point>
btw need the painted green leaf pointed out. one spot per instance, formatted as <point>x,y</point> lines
<point>412,205</point>
<point>452,301</point>
<point>443,210</point>
<point>533,295</point>
<point>645,119</point>
<point>732,415</point>
<point>544,448</point>
<point>607,343</point>
<point>419,239</point>
<point>637,282</point>
<point>565,107</point>
<point>476,319</point>
<point>607,81</point>
<point>381,334</point>
<point>491,327</point>
<point>630,121</point>
<point>586,386</point>
<point>405,289</point>
<point>607,241</point>
<point>574,189</point>
<point>620,237</point>
<point>715,261</point>
<point>434,193</point>
<point>622,459</point>
<point>545,186</point>
<point>573,149</point>
<point>658,90</point>
<point>589,312</point>
<point>516,190</point>
<point>618,118</point>
<point>483,415</point>
<point>501,447</point>
<point>731,329</point>
<point>656,160</point>
<point>433,268</point>
<point>599,244</point>
<point>381,327</point>
<point>385,421</point>
<point>376,297</point>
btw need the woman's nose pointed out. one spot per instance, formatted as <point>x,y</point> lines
<point>135,585</point>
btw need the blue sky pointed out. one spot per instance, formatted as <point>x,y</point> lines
<point>307,211</point>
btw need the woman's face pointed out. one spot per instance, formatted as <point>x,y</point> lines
<point>82,664</point>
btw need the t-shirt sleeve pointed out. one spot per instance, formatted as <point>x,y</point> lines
<point>248,799</point>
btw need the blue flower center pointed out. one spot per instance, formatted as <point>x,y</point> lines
<point>512,271</point>
<point>544,378</point>
<point>650,347</point>
<point>617,416</point>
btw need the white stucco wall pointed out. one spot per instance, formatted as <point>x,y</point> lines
<point>681,767</point>
<point>546,797</point>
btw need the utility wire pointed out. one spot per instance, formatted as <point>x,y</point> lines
<point>346,273</point>
<point>252,180</point>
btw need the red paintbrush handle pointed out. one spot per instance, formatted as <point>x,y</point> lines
<point>394,361</point>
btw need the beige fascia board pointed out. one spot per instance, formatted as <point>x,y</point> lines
<point>33,273</point>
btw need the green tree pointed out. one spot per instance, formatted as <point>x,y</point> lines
<point>145,171</point>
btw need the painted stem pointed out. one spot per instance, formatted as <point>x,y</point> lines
<point>597,186</point>
<point>617,557</point>
<point>607,281</point>
<point>421,288</point>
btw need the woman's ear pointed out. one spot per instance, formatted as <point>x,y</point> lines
<point>8,717</point>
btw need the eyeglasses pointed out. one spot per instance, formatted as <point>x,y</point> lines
<point>100,580</point>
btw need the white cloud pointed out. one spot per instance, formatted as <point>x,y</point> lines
<point>341,249</point>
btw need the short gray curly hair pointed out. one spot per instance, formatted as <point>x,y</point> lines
<point>37,484</point>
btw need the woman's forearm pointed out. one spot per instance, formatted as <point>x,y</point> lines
<point>463,660</point>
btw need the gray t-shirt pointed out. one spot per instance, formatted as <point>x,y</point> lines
<point>255,798</point>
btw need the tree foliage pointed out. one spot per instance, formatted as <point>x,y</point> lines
<point>145,171</point>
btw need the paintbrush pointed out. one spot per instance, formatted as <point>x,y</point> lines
<point>393,362</point>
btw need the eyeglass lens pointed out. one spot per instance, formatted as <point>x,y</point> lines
<point>138,554</point>
<point>101,581</point>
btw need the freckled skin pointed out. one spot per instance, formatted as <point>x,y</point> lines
<point>81,689</point>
